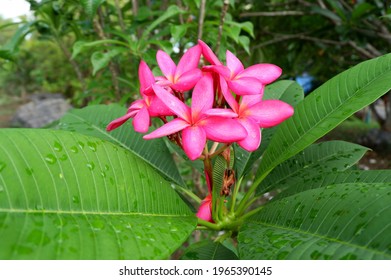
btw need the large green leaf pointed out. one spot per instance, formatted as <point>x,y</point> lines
<point>345,221</point>
<point>325,108</point>
<point>285,90</point>
<point>92,120</point>
<point>208,250</point>
<point>64,195</point>
<point>311,163</point>
<point>332,178</point>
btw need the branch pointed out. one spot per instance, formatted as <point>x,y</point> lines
<point>272,14</point>
<point>201,19</point>
<point>224,10</point>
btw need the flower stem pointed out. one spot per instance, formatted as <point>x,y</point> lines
<point>234,194</point>
<point>209,225</point>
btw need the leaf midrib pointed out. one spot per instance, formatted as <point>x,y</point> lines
<point>315,126</point>
<point>86,213</point>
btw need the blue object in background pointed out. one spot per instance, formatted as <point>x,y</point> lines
<point>306,81</point>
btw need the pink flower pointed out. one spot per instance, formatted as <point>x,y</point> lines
<point>205,210</point>
<point>184,76</point>
<point>199,122</point>
<point>254,113</point>
<point>142,110</point>
<point>251,80</point>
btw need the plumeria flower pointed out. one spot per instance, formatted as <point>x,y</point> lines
<point>253,114</point>
<point>251,80</point>
<point>142,110</point>
<point>200,121</point>
<point>184,76</point>
<point>205,210</point>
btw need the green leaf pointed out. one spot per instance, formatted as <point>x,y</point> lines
<point>345,221</point>
<point>333,178</point>
<point>285,90</point>
<point>100,60</point>
<point>178,31</point>
<point>310,164</point>
<point>18,37</point>
<point>208,250</point>
<point>244,41</point>
<point>7,54</point>
<point>170,12</point>
<point>91,6</point>
<point>69,196</point>
<point>325,108</point>
<point>81,46</point>
<point>92,120</point>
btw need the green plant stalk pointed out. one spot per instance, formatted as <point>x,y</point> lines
<point>243,205</point>
<point>189,193</point>
<point>235,194</point>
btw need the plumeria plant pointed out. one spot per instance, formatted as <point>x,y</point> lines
<point>109,183</point>
<point>226,108</point>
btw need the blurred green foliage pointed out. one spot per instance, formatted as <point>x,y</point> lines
<point>89,50</point>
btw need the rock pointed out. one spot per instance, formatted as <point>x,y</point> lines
<point>41,111</point>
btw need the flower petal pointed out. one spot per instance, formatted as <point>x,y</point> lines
<point>141,120</point>
<point>189,60</point>
<point>146,78</point>
<point>208,54</point>
<point>167,129</point>
<point>220,69</point>
<point>120,121</point>
<point>202,97</point>
<point>187,80</point>
<point>266,73</point>
<point>194,140</point>
<point>173,103</point>
<point>234,64</point>
<point>270,113</point>
<point>228,96</point>
<point>205,210</point>
<point>157,108</point>
<point>219,112</point>
<point>223,130</point>
<point>166,64</point>
<point>253,139</point>
<point>249,100</point>
<point>246,85</point>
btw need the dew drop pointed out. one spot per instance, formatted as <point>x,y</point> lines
<point>75,199</point>
<point>61,176</point>
<point>74,149</point>
<point>2,166</point>
<point>50,159</point>
<point>90,165</point>
<point>1,188</point>
<point>29,171</point>
<point>92,146</point>
<point>57,146</point>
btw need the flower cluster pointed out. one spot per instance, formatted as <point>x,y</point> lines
<point>226,103</point>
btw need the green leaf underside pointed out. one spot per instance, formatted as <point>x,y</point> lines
<point>92,120</point>
<point>65,195</point>
<point>285,90</point>
<point>344,221</point>
<point>312,163</point>
<point>332,178</point>
<point>327,107</point>
<point>208,250</point>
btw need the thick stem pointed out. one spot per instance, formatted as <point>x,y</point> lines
<point>112,67</point>
<point>201,18</point>
<point>224,10</point>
